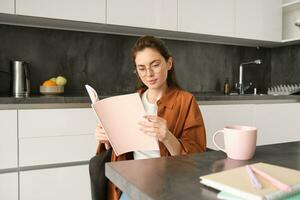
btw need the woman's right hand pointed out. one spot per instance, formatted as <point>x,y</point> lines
<point>101,136</point>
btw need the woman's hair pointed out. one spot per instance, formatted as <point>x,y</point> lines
<point>158,45</point>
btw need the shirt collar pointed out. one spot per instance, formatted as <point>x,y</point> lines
<point>167,99</point>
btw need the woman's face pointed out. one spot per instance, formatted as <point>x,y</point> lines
<point>152,68</point>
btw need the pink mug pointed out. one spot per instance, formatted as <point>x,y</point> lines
<point>239,141</point>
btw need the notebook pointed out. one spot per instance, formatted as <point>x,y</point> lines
<point>237,183</point>
<point>227,196</point>
<point>119,116</point>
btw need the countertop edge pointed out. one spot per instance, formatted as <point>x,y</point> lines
<point>9,103</point>
<point>44,106</point>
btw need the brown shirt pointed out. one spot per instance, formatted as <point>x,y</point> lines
<point>180,109</point>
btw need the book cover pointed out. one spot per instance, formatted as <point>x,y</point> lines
<point>119,116</point>
<point>227,196</point>
<point>237,182</point>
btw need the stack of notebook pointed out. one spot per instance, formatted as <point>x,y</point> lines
<point>236,184</point>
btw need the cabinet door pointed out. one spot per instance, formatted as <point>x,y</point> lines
<point>7,6</point>
<point>277,123</point>
<point>158,14</point>
<point>8,141</point>
<point>51,150</point>
<point>217,116</point>
<point>48,136</point>
<point>215,17</point>
<point>291,15</point>
<point>9,186</point>
<point>56,183</point>
<point>87,11</point>
<point>259,19</point>
<point>56,122</point>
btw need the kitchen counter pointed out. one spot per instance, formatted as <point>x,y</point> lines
<point>66,101</point>
<point>177,177</point>
<point>216,99</point>
<point>39,101</point>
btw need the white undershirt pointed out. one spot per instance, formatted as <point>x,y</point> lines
<point>151,109</point>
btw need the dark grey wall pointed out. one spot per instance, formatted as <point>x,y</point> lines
<point>285,65</point>
<point>103,61</point>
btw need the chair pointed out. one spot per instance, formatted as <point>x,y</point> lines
<point>97,175</point>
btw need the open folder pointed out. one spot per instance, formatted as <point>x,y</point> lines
<point>119,116</point>
<point>236,182</point>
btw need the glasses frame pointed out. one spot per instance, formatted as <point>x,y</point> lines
<point>155,68</point>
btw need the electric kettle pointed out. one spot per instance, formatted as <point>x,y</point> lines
<point>20,79</point>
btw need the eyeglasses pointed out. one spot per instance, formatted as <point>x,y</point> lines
<point>154,68</point>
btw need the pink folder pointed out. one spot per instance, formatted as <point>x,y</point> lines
<point>119,116</point>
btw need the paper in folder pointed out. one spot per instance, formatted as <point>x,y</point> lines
<point>119,116</point>
<point>236,182</point>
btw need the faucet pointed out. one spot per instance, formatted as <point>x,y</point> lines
<point>240,86</point>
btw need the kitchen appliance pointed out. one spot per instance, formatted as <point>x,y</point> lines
<point>20,81</point>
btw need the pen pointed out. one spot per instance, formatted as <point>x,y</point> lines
<point>272,180</point>
<point>253,178</point>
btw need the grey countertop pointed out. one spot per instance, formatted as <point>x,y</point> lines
<point>39,99</point>
<point>84,101</point>
<point>177,177</point>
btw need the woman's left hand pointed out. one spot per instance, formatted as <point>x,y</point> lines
<point>155,126</point>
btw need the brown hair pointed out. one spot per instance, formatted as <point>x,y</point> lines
<point>158,45</point>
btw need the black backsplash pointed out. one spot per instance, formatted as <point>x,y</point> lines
<point>285,63</point>
<point>104,62</point>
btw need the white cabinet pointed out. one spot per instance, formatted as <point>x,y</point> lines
<point>51,150</point>
<point>215,17</point>
<point>87,11</point>
<point>7,6</point>
<point>56,122</point>
<point>291,15</point>
<point>242,22</point>
<point>249,19</point>
<point>48,140</point>
<point>56,183</point>
<point>157,14</point>
<point>217,116</point>
<point>8,141</point>
<point>259,19</point>
<point>55,136</point>
<point>49,136</point>
<point>277,123</point>
<point>9,186</point>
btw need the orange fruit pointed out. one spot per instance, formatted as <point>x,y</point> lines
<point>49,83</point>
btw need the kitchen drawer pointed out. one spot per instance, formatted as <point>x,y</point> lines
<point>8,140</point>
<point>9,186</point>
<point>51,150</point>
<point>63,183</point>
<point>56,122</point>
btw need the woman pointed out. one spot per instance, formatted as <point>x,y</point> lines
<point>173,115</point>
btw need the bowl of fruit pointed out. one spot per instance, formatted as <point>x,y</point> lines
<point>53,86</point>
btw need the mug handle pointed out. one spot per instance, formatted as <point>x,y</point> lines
<point>215,143</point>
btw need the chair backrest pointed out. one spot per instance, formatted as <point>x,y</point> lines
<point>97,175</point>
